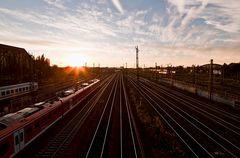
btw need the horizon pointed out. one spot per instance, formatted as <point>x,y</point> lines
<point>105,32</point>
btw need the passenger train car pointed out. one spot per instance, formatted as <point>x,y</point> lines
<point>17,89</point>
<point>17,130</point>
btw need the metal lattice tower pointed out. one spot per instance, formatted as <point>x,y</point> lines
<point>210,79</point>
<point>137,50</point>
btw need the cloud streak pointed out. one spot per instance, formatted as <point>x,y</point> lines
<point>118,6</point>
<point>56,3</point>
<point>194,33</point>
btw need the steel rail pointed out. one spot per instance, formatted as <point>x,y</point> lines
<point>173,105</point>
<point>215,109</point>
<point>100,120</point>
<point>132,123</point>
<point>80,121</point>
<point>56,144</point>
<point>121,130</point>
<point>203,112</point>
<point>166,120</point>
<point>109,118</point>
<point>207,114</point>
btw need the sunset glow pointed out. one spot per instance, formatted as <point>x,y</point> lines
<point>180,32</point>
<point>75,60</point>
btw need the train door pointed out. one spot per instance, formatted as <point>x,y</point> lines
<point>18,140</point>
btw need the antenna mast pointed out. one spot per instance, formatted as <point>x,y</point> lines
<point>137,50</point>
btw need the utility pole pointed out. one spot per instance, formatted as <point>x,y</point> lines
<point>93,69</point>
<point>99,69</point>
<point>193,75</point>
<point>126,67</point>
<point>171,72</point>
<point>210,79</point>
<point>137,50</point>
<point>156,70</point>
<point>33,77</point>
<point>223,73</point>
<point>194,78</point>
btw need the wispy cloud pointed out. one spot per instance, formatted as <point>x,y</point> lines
<point>56,3</point>
<point>179,4</point>
<point>184,32</point>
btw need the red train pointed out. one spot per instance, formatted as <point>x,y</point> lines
<point>17,130</point>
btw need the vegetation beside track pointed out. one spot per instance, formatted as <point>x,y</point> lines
<point>161,141</point>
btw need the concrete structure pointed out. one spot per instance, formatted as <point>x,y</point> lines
<point>228,99</point>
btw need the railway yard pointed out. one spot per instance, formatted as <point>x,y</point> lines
<point>120,79</point>
<point>124,117</point>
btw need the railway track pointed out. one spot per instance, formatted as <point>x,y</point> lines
<point>116,134</point>
<point>205,130</point>
<point>60,142</point>
<point>104,127</point>
<point>138,147</point>
<point>220,117</point>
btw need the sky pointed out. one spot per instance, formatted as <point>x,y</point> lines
<point>105,32</point>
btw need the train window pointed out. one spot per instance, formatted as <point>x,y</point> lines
<point>4,148</point>
<point>3,93</point>
<point>2,126</point>
<point>12,91</point>
<point>16,90</point>
<point>16,140</point>
<point>24,89</point>
<point>20,89</point>
<point>7,92</point>
<point>21,137</point>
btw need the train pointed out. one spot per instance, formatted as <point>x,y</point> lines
<point>19,129</point>
<point>17,89</point>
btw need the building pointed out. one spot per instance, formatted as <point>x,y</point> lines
<point>16,69</point>
<point>16,65</point>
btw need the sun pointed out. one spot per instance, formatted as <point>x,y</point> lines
<point>75,60</point>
